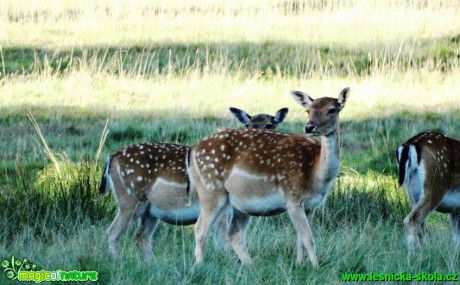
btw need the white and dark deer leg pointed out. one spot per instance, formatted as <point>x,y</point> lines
<point>237,233</point>
<point>120,224</point>
<point>299,219</point>
<point>414,223</point>
<point>222,225</point>
<point>144,232</point>
<point>421,231</point>
<point>455,222</point>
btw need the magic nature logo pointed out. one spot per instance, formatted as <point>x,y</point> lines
<point>25,271</point>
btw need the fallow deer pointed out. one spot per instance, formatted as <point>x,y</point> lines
<point>262,173</point>
<point>261,121</point>
<point>429,167</point>
<point>150,181</point>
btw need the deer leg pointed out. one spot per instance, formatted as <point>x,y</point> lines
<point>299,219</point>
<point>144,232</point>
<point>300,247</point>
<point>455,222</point>
<point>422,233</point>
<point>237,235</point>
<point>414,223</point>
<point>120,224</point>
<point>210,209</point>
<point>222,226</point>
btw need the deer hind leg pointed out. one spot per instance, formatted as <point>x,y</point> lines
<point>144,232</point>
<point>455,222</point>
<point>301,224</point>
<point>211,207</point>
<point>414,223</point>
<point>237,235</point>
<point>301,250</point>
<point>126,213</point>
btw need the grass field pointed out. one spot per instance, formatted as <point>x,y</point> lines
<point>167,71</point>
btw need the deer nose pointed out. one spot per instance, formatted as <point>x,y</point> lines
<point>309,128</point>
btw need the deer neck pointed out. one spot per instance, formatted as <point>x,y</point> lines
<point>330,156</point>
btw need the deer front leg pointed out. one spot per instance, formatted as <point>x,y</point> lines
<point>237,235</point>
<point>455,223</point>
<point>300,247</point>
<point>301,224</point>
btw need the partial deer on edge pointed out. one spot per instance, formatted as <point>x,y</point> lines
<point>262,173</point>
<point>429,167</point>
<point>149,181</point>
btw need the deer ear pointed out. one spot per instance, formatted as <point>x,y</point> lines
<point>240,115</point>
<point>281,115</point>
<point>302,98</point>
<point>343,97</point>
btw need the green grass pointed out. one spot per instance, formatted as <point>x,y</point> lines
<point>167,72</point>
<point>266,58</point>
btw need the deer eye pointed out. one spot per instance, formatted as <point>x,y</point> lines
<point>268,126</point>
<point>331,111</point>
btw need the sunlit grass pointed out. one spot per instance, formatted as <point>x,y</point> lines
<point>211,95</point>
<point>55,23</point>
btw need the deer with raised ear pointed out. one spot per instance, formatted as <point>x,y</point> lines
<point>149,181</point>
<point>429,167</point>
<point>260,121</point>
<point>263,173</point>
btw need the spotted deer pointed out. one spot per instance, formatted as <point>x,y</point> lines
<point>150,181</point>
<point>263,173</point>
<point>429,167</point>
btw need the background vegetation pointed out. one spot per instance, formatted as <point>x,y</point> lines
<point>167,71</point>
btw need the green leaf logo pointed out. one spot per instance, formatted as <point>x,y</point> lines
<point>5,263</point>
<point>13,267</point>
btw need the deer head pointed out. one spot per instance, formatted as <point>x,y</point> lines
<point>322,113</point>
<point>260,121</point>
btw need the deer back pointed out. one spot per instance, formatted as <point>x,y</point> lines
<point>140,166</point>
<point>273,157</point>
